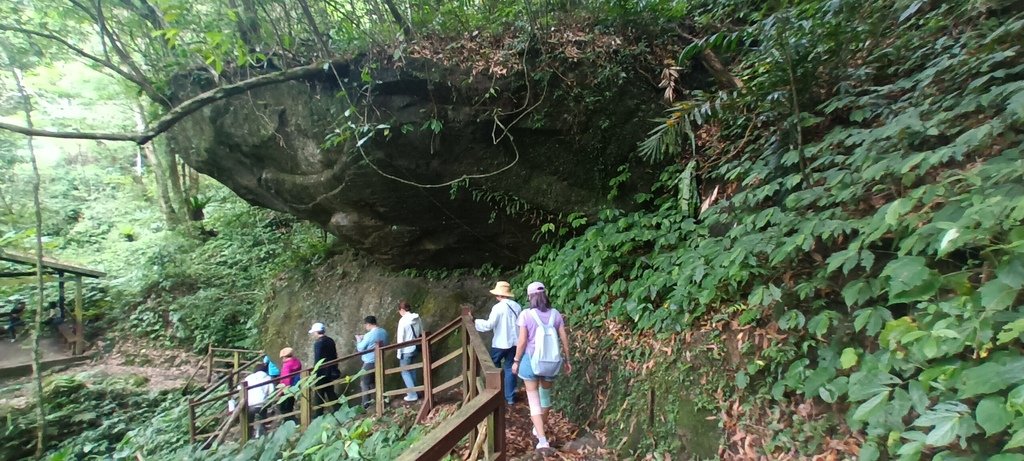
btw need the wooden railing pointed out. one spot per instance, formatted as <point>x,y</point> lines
<point>481,415</point>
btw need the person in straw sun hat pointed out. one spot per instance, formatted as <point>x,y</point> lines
<point>502,321</point>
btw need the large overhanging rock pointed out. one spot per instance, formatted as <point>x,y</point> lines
<point>564,144</point>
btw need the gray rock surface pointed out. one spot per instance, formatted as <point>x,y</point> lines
<point>289,147</point>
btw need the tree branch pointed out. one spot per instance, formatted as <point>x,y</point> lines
<point>397,16</point>
<point>150,91</point>
<point>140,77</point>
<point>312,26</point>
<point>186,108</point>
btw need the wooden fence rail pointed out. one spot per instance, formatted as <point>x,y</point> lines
<point>481,416</point>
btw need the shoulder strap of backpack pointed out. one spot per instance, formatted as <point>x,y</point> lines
<point>536,318</point>
<point>508,306</point>
<point>551,319</point>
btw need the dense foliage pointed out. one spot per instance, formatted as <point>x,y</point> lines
<point>851,180</point>
<point>87,415</point>
<point>870,197</point>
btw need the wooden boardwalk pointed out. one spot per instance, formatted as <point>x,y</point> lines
<point>453,359</point>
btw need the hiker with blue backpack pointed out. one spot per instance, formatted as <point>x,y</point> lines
<point>542,352</point>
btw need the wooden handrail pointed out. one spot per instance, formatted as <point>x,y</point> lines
<point>228,349</point>
<point>446,436</point>
<point>483,402</point>
<point>224,379</point>
<point>199,366</point>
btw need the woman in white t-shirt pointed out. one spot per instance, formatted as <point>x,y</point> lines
<point>538,388</point>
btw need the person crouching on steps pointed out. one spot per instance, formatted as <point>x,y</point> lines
<point>541,353</point>
<point>502,320</point>
<point>409,328</point>
<point>259,388</point>
<point>324,352</point>
<point>374,334</point>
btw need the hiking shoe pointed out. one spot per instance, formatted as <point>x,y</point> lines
<point>411,398</point>
<point>543,445</point>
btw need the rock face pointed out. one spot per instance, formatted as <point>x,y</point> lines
<point>348,155</point>
<point>345,289</point>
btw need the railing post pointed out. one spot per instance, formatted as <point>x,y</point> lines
<point>467,383</point>
<point>305,401</point>
<point>209,364</point>
<point>378,377</point>
<point>474,367</point>
<point>191,420</point>
<point>496,428</point>
<point>428,386</point>
<point>243,412</point>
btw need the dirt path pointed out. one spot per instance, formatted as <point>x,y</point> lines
<point>568,441</point>
<point>20,351</point>
<point>163,369</point>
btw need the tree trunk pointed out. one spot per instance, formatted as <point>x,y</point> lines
<point>316,30</point>
<point>171,161</point>
<point>247,23</point>
<point>397,16</point>
<point>159,175</point>
<point>37,358</point>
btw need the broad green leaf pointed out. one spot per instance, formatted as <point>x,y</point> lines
<point>910,337</point>
<point>742,380</point>
<point>945,419</point>
<point>1016,441</point>
<point>895,330</point>
<point>849,358</point>
<point>910,279</point>
<point>992,415</point>
<point>991,377</point>
<point>1012,272</point>
<point>867,409</point>
<point>911,451</point>
<point>996,295</point>
<point>867,384</point>
<point>944,432</point>
<point>1015,400</point>
<point>1011,331</point>
<point>1007,457</point>
<point>868,452</point>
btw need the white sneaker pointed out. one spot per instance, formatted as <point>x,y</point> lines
<point>411,398</point>
<point>543,445</point>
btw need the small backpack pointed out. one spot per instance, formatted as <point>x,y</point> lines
<point>547,353</point>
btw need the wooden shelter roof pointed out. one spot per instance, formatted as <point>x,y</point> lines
<point>49,264</point>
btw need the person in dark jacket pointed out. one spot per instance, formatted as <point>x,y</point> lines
<point>324,351</point>
<point>14,320</point>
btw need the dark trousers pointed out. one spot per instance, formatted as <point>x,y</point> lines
<point>12,327</point>
<point>256,413</point>
<point>503,358</point>
<point>286,406</point>
<point>366,383</point>
<point>324,395</point>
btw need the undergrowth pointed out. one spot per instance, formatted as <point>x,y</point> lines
<point>865,193</point>
<point>87,415</point>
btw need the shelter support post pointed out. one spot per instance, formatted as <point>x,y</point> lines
<point>79,346</point>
